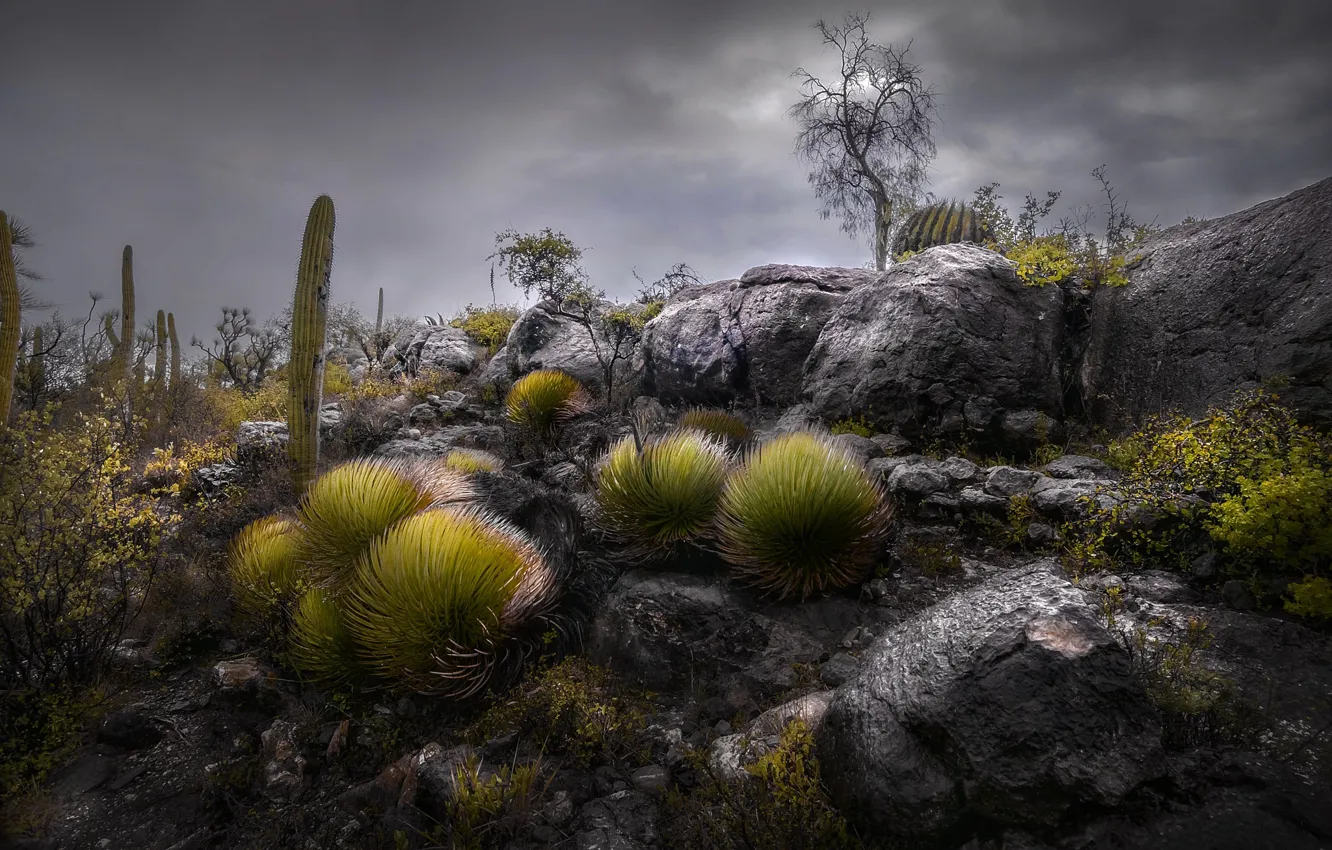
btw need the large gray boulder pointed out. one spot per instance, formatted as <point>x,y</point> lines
<point>946,342</point>
<point>1009,701</point>
<point>1216,306</point>
<point>742,339</point>
<point>543,339</point>
<point>438,347</point>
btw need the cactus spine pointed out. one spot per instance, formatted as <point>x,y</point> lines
<point>309,326</point>
<point>159,364</point>
<point>126,342</point>
<point>9,319</point>
<point>941,224</point>
<point>175,350</point>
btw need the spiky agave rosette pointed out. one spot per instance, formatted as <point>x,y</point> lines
<point>319,643</point>
<point>468,461</point>
<point>545,399</point>
<point>663,496</point>
<point>802,515</point>
<point>263,564</point>
<point>718,422</point>
<point>439,596</point>
<point>348,507</point>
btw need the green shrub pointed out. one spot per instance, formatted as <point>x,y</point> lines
<point>802,515</point>
<point>79,548</point>
<point>42,729</point>
<point>487,811</point>
<point>665,494</point>
<point>1287,518</point>
<point>488,326</point>
<point>437,593</point>
<point>860,426</point>
<point>573,709</point>
<point>1311,598</point>
<point>719,423</point>
<point>543,400</point>
<point>1246,475</point>
<point>781,804</point>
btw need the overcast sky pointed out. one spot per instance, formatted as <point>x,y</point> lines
<point>649,132</point>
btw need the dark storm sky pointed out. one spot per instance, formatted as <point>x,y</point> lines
<point>650,132</point>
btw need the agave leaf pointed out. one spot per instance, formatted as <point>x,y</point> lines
<point>263,565</point>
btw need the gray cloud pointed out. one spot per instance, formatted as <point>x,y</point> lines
<point>649,132</point>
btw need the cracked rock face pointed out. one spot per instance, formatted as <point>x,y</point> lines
<point>1009,701</point>
<point>1216,306</point>
<point>948,340</point>
<point>742,339</point>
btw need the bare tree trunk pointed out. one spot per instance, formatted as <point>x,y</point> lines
<point>883,214</point>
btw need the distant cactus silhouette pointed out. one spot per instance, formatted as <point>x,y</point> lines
<point>175,350</point>
<point>309,326</point>
<point>159,364</point>
<point>943,223</point>
<point>126,341</point>
<point>9,318</point>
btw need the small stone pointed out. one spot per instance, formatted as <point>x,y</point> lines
<point>1204,566</point>
<point>1041,534</point>
<point>723,727</point>
<point>653,779</point>
<point>1237,596</point>
<point>838,669</point>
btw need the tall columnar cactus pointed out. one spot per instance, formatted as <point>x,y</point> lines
<point>9,318</point>
<point>127,312</point>
<point>941,224</point>
<point>175,350</point>
<point>159,364</point>
<point>379,314</point>
<point>309,326</point>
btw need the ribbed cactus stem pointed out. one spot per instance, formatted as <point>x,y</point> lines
<point>127,311</point>
<point>309,326</point>
<point>175,350</point>
<point>159,364</point>
<point>379,314</point>
<point>9,318</point>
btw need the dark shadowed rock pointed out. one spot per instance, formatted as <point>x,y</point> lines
<point>130,729</point>
<point>1077,466</point>
<point>742,339</point>
<point>1216,306</point>
<point>945,342</point>
<point>1008,701</point>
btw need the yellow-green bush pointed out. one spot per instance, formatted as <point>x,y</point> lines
<point>437,592</point>
<point>780,804</point>
<point>716,422</point>
<point>337,379</point>
<point>488,326</point>
<point>171,468</point>
<point>1311,598</point>
<point>1247,475</point>
<point>574,709</point>
<point>544,399</point>
<point>665,494</point>
<point>79,548</point>
<point>859,426</point>
<point>1287,518</point>
<point>484,812</point>
<point>230,407</point>
<point>800,516</point>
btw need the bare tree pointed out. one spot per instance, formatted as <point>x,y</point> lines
<point>244,351</point>
<point>867,135</point>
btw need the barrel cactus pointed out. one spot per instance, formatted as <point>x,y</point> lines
<point>943,223</point>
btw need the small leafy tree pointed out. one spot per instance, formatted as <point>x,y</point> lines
<point>545,261</point>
